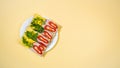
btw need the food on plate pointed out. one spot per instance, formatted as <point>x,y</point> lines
<point>39,34</point>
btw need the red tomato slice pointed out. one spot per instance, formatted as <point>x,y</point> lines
<point>49,28</point>
<point>42,39</point>
<point>42,44</point>
<point>52,24</point>
<point>46,34</point>
<point>41,47</point>
<point>37,49</point>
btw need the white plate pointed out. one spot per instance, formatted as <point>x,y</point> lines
<point>24,26</point>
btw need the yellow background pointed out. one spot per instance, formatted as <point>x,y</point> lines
<point>89,38</point>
